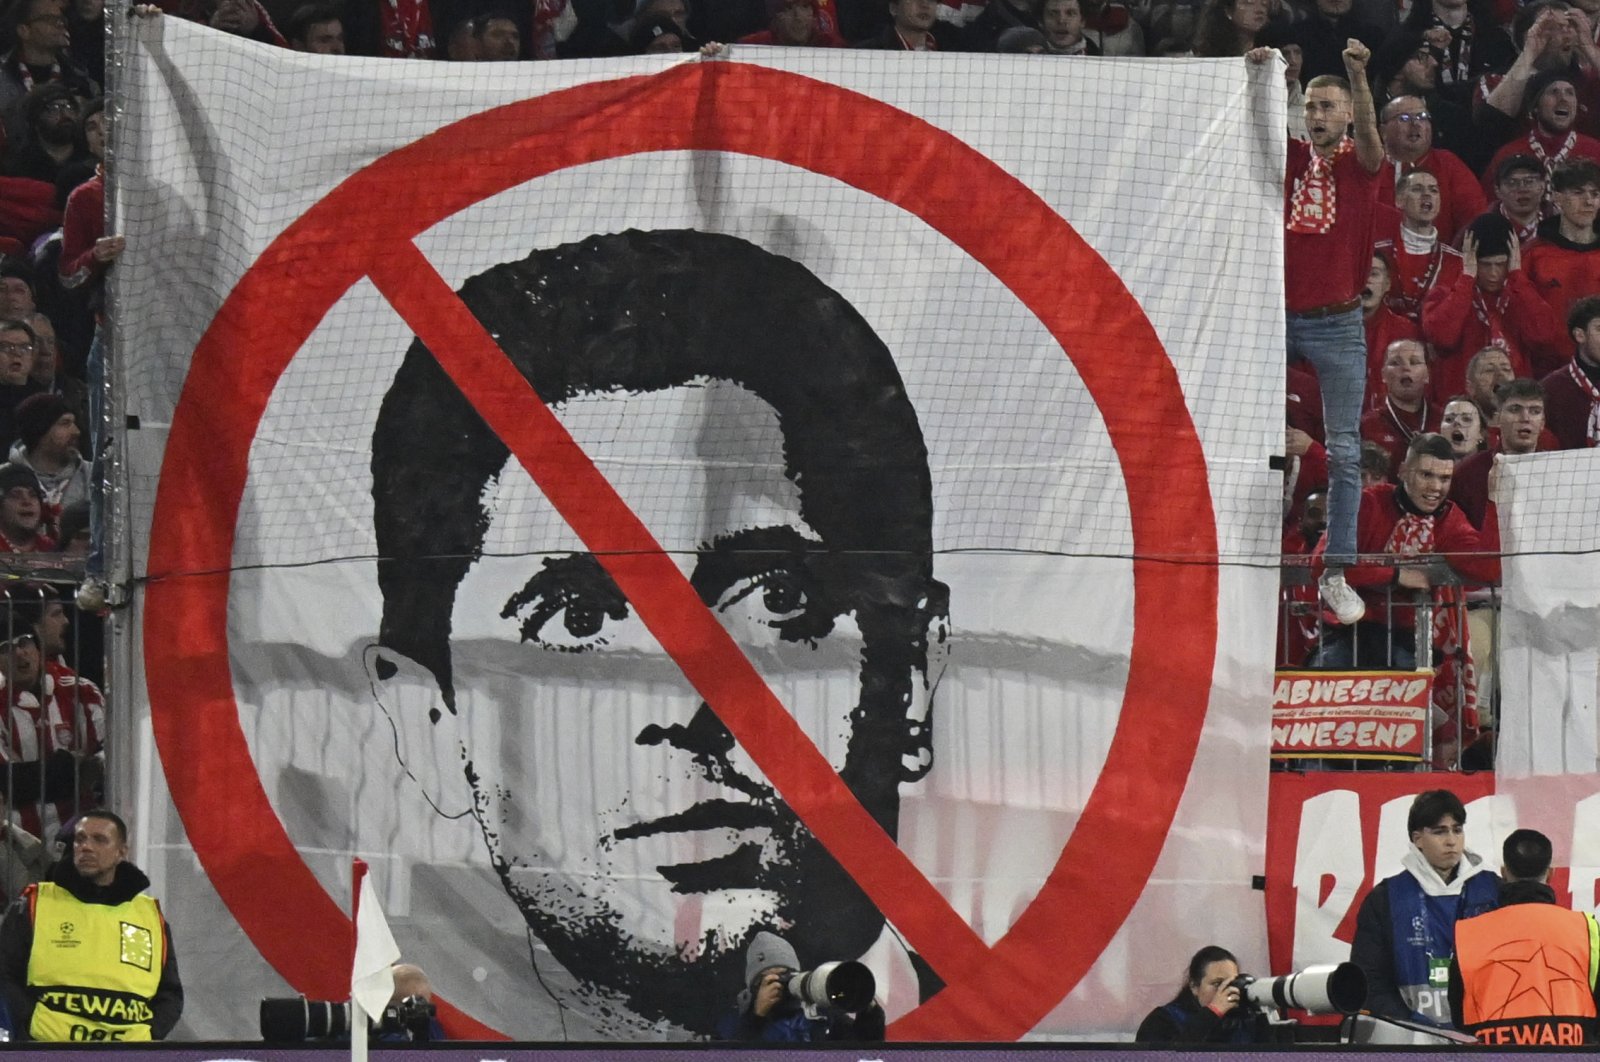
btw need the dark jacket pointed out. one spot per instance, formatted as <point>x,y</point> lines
<point>1185,1021</point>
<point>16,943</point>
<point>787,1024</point>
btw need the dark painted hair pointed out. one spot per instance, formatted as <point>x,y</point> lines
<point>1430,808</point>
<point>1526,854</point>
<point>643,312</point>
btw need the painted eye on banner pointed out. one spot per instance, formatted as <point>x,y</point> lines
<point>570,606</point>
<point>773,599</point>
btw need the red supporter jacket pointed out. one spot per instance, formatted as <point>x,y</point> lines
<point>1384,327</point>
<point>1459,325</point>
<point>1461,197</point>
<point>1582,146</point>
<point>1305,404</point>
<point>1562,272</point>
<point>1470,487</point>
<point>83,225</point>
<point>1392,428</point>
<point>1414,275</point>
<point>1473,555</point>
<point>1571,408</point>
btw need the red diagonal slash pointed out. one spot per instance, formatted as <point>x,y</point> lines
<point>712,662</point>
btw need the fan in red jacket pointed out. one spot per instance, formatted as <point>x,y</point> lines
<point>1382,324</point>
<point>1572,392</point>
<point>1462,422</point>
<point>1564,262</point>
<point>1408,144</point>
<point>1400,527</point>
<point>795,23</point>
<point>1422,261</point>
<point>1403,412</point>
<point>1521,423</point>
<point>1519,186</point>
<point>1491,304</point>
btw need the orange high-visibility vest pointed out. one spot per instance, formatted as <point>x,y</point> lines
<point>1528,975</point>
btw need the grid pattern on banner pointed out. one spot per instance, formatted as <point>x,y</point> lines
<point>218,161</point>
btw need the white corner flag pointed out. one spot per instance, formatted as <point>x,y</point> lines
<point>372,973</point>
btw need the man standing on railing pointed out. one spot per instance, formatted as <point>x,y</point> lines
<point>1330,191</point>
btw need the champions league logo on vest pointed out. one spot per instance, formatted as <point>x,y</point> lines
<point>65,940</point>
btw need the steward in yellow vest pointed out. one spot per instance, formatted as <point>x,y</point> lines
<point>1525,974</point>
<point>85,955</point>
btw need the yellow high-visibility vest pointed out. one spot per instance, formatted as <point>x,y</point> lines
<point>94,968</point>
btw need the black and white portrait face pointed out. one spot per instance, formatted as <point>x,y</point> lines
<point>785,474</point>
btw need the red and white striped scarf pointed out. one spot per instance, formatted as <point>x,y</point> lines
<point>1314,200</point>
<point>1455,680</point>
<point>1587,386</point>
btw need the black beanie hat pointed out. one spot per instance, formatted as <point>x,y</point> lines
<point>1493,234</point>
<point>36,415</point>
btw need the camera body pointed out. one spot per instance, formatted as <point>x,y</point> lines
<point>408,1020</point>
<point>296,1020</point>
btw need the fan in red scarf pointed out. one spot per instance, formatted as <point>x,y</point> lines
<point>1403,411</point>
<point>1407,126</point>
<point>1572,392</point>
<point>1383,325</point>
<point>1491,304</point>
<point>1330,203</point>
<point>1401,527</point>
<point>1422,260</point>
<point>1553,109</point>
<point>1554,37</point>
<point>1519,197</point>
<point>1520,424</point>
<point>1564,262</point>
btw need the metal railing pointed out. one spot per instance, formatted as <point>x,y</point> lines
<point>1448,632</point>
<point>52,741</point>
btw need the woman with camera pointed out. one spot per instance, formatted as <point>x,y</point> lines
<point>1207,1008</point>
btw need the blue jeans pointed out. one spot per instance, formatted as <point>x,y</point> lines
<point>1337,347</point>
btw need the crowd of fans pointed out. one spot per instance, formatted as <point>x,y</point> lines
<point>52,259</point>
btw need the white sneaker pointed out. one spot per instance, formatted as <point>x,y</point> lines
<point>1346,604</point>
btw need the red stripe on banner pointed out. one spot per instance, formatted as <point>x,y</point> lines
<point>995,994</point>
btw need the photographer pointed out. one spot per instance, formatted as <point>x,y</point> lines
<point>410,1016</point>
<point>1206,1009</point>
<point>767,1012</point>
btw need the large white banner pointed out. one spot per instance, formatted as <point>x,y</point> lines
<point>634,504</point>
<point>1550,622</point>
